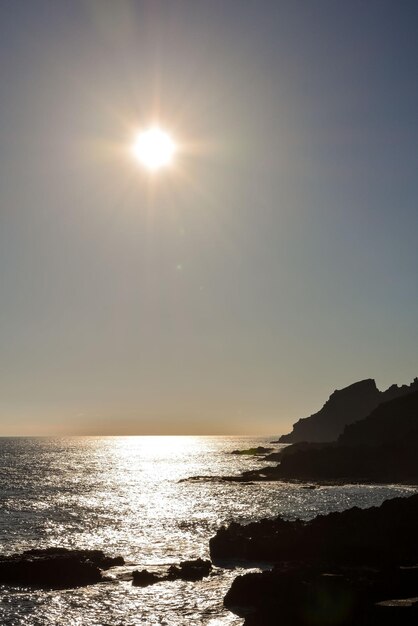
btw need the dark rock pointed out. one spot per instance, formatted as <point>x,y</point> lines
<point>396,420</point>
<point>274,456</point>
<point>98,557</point>
<point>354,568</point>
<point>192,570</point>
<point>355,536</point>
<point>145,578</point>
<point>55,568</point>
<point>296,447</point>
<point>344,407</point>
<point>302,595</point>
<point>391,463</point>
<point>253,451</point>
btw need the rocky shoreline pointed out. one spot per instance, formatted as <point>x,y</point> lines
<point>354,568</point>
<point>358,567</point>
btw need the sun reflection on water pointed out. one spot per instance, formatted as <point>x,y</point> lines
<point>126,495</point>
<point>157,446</point>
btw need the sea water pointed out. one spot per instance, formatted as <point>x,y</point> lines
<point>127,496</point>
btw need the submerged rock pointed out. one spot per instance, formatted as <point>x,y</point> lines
<point>144,578</point>
<point>259,450</point>
<point>55,568</point>
<point>192,570</point>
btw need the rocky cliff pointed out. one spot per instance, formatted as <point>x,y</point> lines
<point>389,422</point>
<point>381,448</point>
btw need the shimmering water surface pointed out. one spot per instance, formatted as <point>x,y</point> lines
<point>124,495</point>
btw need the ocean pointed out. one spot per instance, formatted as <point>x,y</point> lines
<point>126,496</point>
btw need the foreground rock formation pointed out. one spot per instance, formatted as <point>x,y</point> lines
<point>354,568</point>
<point>344,407</point>
<point>359,536</point>
<point>306,595</point>
<point>55,568</point>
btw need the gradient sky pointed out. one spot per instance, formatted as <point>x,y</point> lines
<point>275,262</point>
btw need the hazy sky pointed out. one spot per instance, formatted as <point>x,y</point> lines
<point>276,261</point>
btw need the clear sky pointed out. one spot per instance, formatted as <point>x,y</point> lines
<point>275,261</point>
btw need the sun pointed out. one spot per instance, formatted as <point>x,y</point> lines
<point>154,148</point>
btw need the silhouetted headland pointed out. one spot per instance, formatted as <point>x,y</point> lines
<point>344,406</point>
<point>380,448</point>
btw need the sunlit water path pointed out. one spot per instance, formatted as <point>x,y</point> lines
<point>123,495</point>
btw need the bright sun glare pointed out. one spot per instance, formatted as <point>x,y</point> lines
<point>154,148</point>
